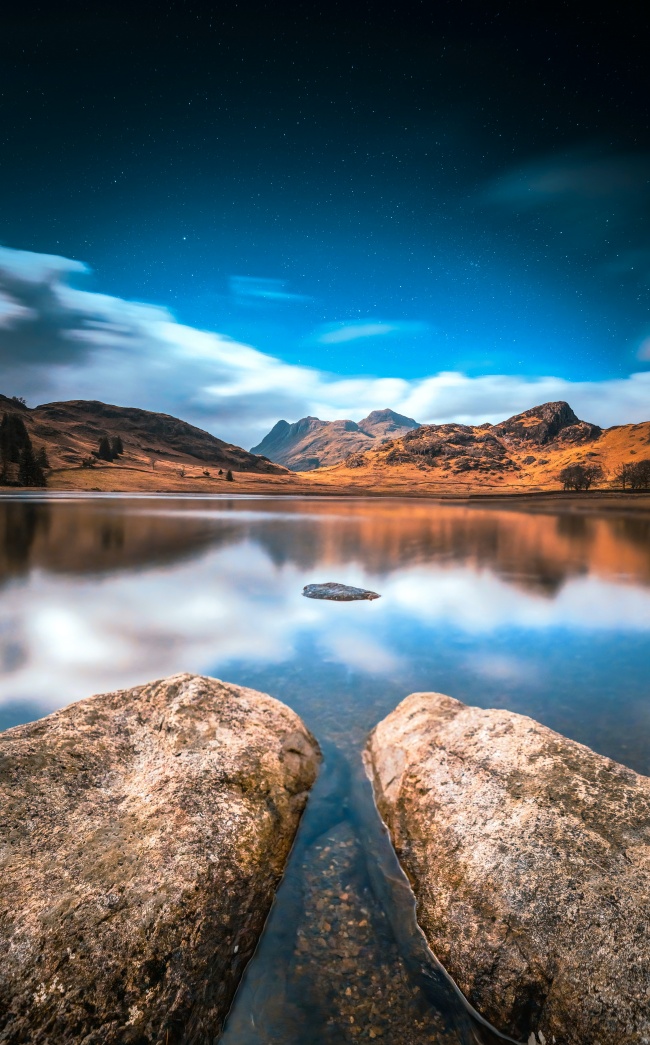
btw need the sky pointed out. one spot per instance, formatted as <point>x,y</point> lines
<point>272,210</point>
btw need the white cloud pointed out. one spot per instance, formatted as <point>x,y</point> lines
<point>59,342</point>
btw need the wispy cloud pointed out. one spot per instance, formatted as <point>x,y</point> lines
<point>597,203</point>
<point>59,342</point>
<point>253,289</point>
<point>579,176</point>
<point>644,349</point>
<point>336,333</point>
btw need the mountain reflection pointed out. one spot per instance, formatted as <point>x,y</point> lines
<point>535,552</point>
<point>99,594</point>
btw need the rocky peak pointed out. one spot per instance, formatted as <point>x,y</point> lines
<point>386,422</point>
<point>544,423</point>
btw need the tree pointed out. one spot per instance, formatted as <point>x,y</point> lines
<point>640,475</point>
<point>580,476</point>
<point>221,471</point>
<point>14,438</point>
<point>117,447</point>
<point>104,452</point>
<point>42,458</point>
<point>30,472</point>
<point>20,400</point>
<point>624,475</point>
<point>229,476</point>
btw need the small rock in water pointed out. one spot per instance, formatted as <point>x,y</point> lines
<point>337,592</point>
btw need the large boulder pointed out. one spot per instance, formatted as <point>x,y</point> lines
<point>529,856</point>
<point>142,837</point>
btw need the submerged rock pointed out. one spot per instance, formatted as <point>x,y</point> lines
<point>142,837</point>
<point>337,592</point>
<point>529,855</point>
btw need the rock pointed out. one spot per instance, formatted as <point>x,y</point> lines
<point>529,856</point>
<point>142,838</point>
<point>337,592</point>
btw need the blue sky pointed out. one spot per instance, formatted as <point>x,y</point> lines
<point>377,198</point>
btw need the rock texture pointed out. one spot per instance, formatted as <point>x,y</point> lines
<point>335,592</point>
<point>142,837</point>
<point>529,856</point>
<point>311,443</point>
<point>543,424</point>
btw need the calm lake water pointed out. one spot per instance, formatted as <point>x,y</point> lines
<point>544,614</point>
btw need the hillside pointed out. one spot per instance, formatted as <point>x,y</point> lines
<point>153,442</point>
<point>526,451</point>
<point>311,443</point>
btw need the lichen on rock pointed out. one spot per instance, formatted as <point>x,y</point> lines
<point>529,855</point>
<point>142,838</point>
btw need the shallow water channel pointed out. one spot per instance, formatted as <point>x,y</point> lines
<point>544,614</point>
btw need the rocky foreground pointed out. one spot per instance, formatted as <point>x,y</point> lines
<point>142,838</point>
<point>529,856</point>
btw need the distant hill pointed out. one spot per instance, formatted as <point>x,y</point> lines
<point>71,431</point>
<point>311,443</point>
<point>528,449</point>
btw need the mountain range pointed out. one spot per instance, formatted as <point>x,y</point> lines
<point>386,452</point>
<point>526,450</point>
<point>311,443</point>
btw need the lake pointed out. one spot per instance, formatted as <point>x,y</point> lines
<point>544,614</point>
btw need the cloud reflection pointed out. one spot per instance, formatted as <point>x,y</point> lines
<point>63,637</point>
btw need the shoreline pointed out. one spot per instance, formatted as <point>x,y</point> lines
<point>250,484</point>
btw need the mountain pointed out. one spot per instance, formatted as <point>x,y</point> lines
<point>526,450</point>
<point>311,443</point>
<point>71,431</point>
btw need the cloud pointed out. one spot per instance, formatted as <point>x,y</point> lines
<point>337,333</point>
<point>252,289</point>
<point>60,342</point>
<point>596,203</point>
<point>580,176</point>
<point>44,319</point>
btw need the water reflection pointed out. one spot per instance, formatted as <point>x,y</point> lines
<point>537,552</point>
<point>548,615</point>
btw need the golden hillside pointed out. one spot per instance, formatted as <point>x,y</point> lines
<point>524,453</point>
